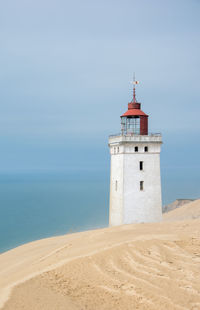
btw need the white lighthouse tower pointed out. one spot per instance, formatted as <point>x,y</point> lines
<point>135,186</point>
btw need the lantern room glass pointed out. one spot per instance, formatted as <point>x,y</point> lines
<point>130,125</point>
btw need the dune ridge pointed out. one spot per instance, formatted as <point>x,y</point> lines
<point>142,266</point>
<point>188,211</point>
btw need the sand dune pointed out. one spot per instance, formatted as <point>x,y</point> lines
<point>144,266</point>
<point>176,204</point>
<point>188,211</point>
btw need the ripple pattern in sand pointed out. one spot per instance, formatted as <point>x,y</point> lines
<point>149,274</point>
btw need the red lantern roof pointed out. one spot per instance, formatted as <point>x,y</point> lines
<point>134,106</point>
<point>134,112</point>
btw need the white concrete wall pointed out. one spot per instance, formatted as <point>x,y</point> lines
<point>128,204</point>
<point>116,195</point>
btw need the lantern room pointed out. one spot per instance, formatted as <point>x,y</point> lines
<point>134,121</point>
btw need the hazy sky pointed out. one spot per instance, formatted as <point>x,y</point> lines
<point>65,75</point>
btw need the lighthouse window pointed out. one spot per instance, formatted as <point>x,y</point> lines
<point>133,125</point>
<point>116,185</point>
<point>146,148</point>
<point>136,148</point>
<point>141,185</point>
<point>118,149</point>
<point>141,165</point>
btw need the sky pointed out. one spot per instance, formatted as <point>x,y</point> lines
<point>66,68</point>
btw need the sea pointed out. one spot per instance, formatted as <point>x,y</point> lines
<point>35,206</point>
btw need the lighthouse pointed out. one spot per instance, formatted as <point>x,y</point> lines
<point>135,185</point>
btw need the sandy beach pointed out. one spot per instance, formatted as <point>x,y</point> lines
<point>141,266</point>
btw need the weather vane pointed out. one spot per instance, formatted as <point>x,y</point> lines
<point>134,82</point>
